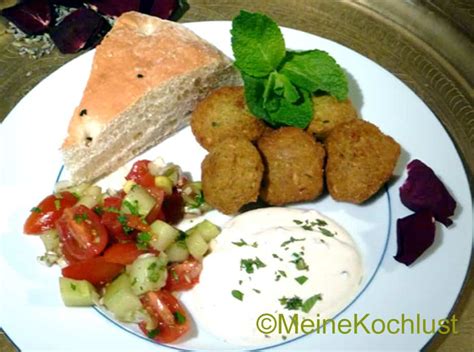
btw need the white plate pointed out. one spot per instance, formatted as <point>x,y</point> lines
<point>33,315</point>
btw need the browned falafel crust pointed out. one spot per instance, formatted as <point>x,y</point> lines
<point>360,160</point>
<point>231,174</point>
<point>293,166</point>
<point>328,113</point>
<point>224,114</point>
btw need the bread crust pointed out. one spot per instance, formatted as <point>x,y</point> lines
<point>139,53</point>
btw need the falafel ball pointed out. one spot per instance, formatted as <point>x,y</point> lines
<point>328,113</point>
<point>231,174</point>
<point>360,160</point>
<point>224,114</point>
<point>293,166</point>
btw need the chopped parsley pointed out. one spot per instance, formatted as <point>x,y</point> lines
<point>299,262</point>
<point>326,232</point>
<point>293,303</point>
<point>198,200</point>
<point>310,302</point>
<point>36,210</point>
<point>309,225</point>
<point>182,236</point>
<point>276,256</point>
<point>174,275</point>
<point>153,272</point>
<point>242,243</point>
<point>238,295</point>
<point>248,264</point>
<point>112,210</point>
<point>296,303</point>
<point>73,286</point>
<point>80,218</point>
<point>291,240</point>
<point>57,204</point>
<point>133,208</point>
<point>179,318</point>
<point>123,220</point>
<point>301,279</point>
<point>153,333</point>
<point>143,240</point>
<point>99,210</point>
<point>279,274</point>
<point>258,291</point>
<point>83,112</point>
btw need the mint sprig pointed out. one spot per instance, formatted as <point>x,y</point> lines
<point>279,83</point>
<point>257,43</point>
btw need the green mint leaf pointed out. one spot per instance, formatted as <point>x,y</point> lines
<point>257,43</point>
<point>283,112</point>
<point>254,95</point>
<point>316,70</point>
<point>310,302</point>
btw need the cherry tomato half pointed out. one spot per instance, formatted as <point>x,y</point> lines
<point>43,217</point>
<point>98,271</point>
<point>122,253</point>
<point>183,276</point>
<point>81,234</point>
<point>140,174</point>
<point>171,319</point>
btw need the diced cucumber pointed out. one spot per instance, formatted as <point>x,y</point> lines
<point>120,299</point>
<point>77,293</point>
<point>173,172</point>
<point>148,273</point>
<point>196,245</point>
<point>50,240</point>
<point>138,201</point>
<point>177,252</point>
<point>77,190</point>
<point>162,235</point>
<point>164,183</point>
<point>206,229</point>
<point>91,196</point>
<point>129,184</point>
<point>192,194</point>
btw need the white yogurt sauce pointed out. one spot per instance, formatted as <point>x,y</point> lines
<point>334,270</point>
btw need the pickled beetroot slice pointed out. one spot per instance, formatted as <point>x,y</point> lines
<point>80,29</point>
<point>163,8</point>
<point>415,234</point>
<point>32,17</point>
<point>115,7</point>
<point>423,190</point>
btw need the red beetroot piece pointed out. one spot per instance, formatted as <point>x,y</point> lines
<point>32,17</point>
<point>423,190</point>
<point>415,234</point>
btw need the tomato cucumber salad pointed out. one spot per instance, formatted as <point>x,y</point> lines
<point>120,249</point>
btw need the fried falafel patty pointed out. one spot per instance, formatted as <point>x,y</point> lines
<point>224,114</point>
<point>360,160</point>
<point>293,166</point>
<point>231,174</point>
<point>328,113</point>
